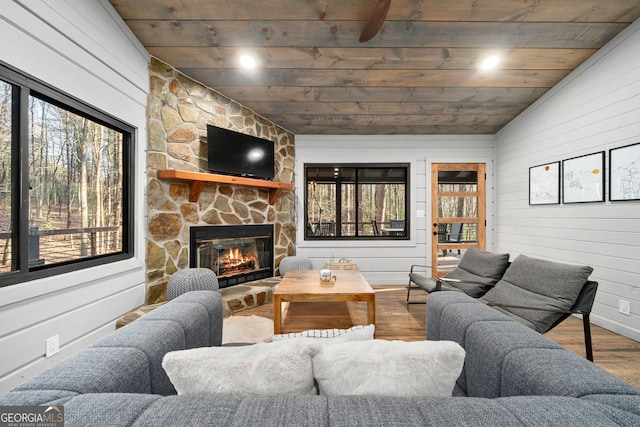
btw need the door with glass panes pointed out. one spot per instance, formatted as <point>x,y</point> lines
<point>458,213</point>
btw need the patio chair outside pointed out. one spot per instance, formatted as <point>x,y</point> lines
<point>453,236</point>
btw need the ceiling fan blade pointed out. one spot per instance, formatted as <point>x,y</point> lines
<point>375,22</point>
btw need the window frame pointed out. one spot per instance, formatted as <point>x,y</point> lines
<point>25,86</point>
<point>357,167</point>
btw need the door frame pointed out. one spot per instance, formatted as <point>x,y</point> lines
<point>480,220</point>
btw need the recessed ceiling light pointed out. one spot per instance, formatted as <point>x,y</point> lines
<point>490,63</point>
<point>247,61</point>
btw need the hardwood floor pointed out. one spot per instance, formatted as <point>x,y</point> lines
<point>397,320</point>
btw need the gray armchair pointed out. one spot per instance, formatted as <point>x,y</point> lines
<point>476,273</point>
<point>540,294</point>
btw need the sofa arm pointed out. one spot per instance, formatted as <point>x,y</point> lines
<point>129,360</point>
<point>92,370</point>
<point>182,309</point>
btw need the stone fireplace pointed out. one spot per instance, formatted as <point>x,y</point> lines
<point>179,110</point>
<point>235,253</point>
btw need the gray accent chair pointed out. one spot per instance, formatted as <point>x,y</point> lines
<point>476,273</point>
<point>540,294</point>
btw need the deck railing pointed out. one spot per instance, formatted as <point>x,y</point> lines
<point>55,246</point>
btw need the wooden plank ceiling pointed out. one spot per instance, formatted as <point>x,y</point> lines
<point>420,75</point>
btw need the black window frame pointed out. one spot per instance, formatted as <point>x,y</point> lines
<point>25,86</point>
<point>356,166</point>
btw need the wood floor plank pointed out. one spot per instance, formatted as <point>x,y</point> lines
<point>395,320</point>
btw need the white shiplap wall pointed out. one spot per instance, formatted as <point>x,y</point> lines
<point>84,49</point>
<point>388,262</point>
<point>596,108</point>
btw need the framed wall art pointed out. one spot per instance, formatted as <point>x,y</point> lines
<point>583,179</point>
<point>624,173</point>
<point>544,184</point>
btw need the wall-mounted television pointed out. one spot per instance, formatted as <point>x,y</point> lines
<point>235,153</point>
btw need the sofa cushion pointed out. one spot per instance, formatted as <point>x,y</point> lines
<point>142,410</point>
<point>36,397</point>
<point>308,411</point>
<point>206,410</point>
<point>626,402</point>
<point>192,317</point>
<point>539,411</point>
<point>212,302</point>
<point>456,318</point>
<point>143,336</point>
<point>478,266</point>
<point>538,283</point>
<point>436,304</point>
<point>388,368</point>
<point>488,343</point>
<point>115,409</point>
<point>564,411</point>
<point>556,372</point>
<point>276,368</point>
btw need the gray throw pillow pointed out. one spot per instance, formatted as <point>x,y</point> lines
<point>532,282</point>
<point>478,266</point>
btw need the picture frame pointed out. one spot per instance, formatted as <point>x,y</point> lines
<point>544,184</point>
<point>583,178</point>
<point>624,173</point>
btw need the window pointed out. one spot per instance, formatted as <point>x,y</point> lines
<point>363,201</point>
<point>65,182</point>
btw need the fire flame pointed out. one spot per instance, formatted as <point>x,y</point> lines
<point>234,261</point>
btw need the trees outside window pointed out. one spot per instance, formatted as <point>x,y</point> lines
<point>6,174</point>
<point>65,183</point>
<point>363,201</point>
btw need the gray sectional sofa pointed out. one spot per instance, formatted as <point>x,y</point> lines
<point>512,376</point>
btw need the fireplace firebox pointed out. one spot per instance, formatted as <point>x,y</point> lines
<point>235,253</point>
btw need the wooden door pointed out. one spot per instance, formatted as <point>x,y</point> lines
<point>458,212</point>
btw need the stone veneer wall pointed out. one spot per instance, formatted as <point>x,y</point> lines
<point>179,109</point>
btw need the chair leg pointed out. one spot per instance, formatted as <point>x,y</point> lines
<point>587,336</point>
<point>409,287</point>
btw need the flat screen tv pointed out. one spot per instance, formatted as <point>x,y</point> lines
<point>234,153</point>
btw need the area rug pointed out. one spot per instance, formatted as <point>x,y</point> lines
<point>247,329</point>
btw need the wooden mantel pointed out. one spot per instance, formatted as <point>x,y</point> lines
<point>197,179</point>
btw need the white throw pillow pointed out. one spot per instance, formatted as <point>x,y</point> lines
<point>282,368</point>
<point>355,333</point>
<point>389,368</point>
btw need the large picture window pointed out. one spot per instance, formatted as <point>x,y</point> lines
<point>65,183</point>
<point>362,201</point>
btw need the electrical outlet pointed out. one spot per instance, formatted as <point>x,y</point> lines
<point>52,346</point>
<point>624,307</point>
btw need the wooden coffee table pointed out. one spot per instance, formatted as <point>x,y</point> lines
<point>305,286</point>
